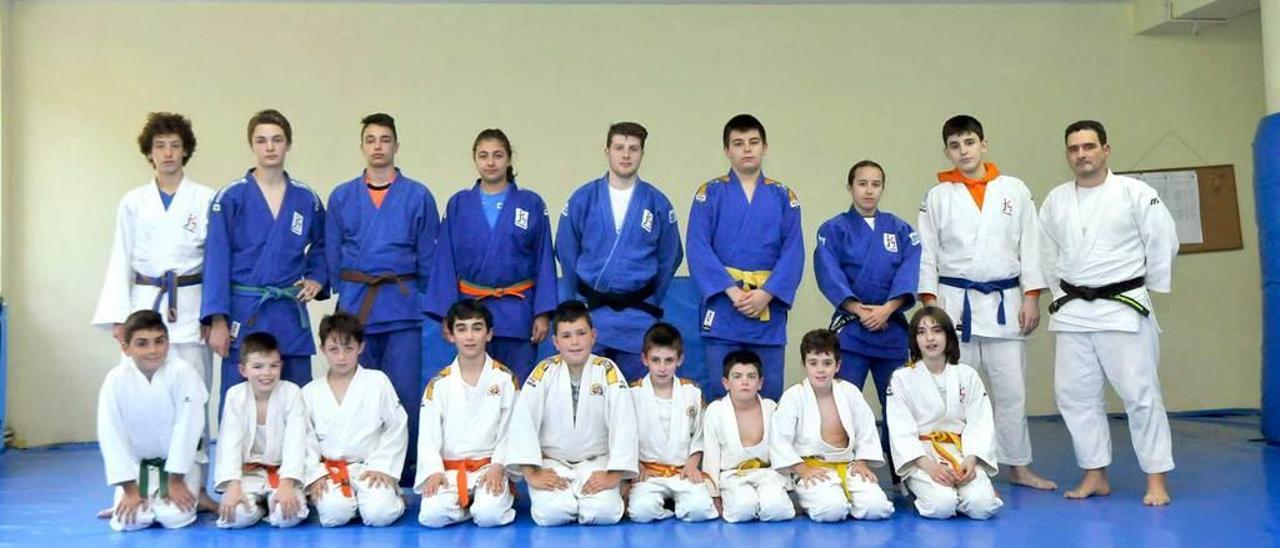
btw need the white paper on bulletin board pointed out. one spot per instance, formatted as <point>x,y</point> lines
<point>1180,192</point>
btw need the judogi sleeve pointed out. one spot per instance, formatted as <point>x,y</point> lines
<point>230,458</point>
<point>568,247</point>
<point>114,301</point>
<point>904,431</point>
<point>293,452</point>
<point>1159,238</point>
<point>1049,248</point>
<point>430,436</point>
<point>696,442</point>
<point>789,269</point>
<point>524,446</point>
<point>388,456</point>
<point>907,278</point>
<point>442,284</point>
<point>978,438</point>
<point>333,234</point>
<point>118,461</point>
<point>509,394</point>
<point>317,268</point>
<point>189,394</point>
<point>545,292</point>
<point>705,266</point>
<point>711,452</point>
<point>826,268</point>
<point>315,469</point>
<point>624,441</point>
<point>866,436</point>
<point>783,432</point>
<point>670,251</point>
<point>1032,277</point>
<point>428,227</point>
<point>927,227</point>
<point>215,291</point>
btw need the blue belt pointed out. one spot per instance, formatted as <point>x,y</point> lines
<point>169,282</point>
<point>966,314</point>
<point>269,293</point>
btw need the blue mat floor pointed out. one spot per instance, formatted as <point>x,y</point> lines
<point>1226,492</point>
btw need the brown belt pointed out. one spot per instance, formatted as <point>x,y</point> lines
<point>375,284</point>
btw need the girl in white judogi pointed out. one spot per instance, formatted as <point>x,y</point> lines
<point>462,425</point>
<point>150,419</point>
<point>573,434</point>
<point>357,436</point>
<point>735,442</point>
<point>940,425</point>
<point>262,443</point>
<point>824,434</point>
<point>669,422</point>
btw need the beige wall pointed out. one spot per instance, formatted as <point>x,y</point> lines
<point>833,84</point>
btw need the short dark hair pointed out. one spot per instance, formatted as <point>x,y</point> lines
<point>467,309</point>
<point>1083,125</point>
<point>743,123</point>
<point>569,312</point>
<point>742,357</point>
<point>626,129</point>
<point>343,326</point>
<point>167,123</point>
<point>820,341</point>
<point>960,125</point>
<point>273,117</point>
<point>143,320</point>
<point>867,163</point>
<point>952,351</point>
<point>663,335</point>
<point>258,343</point>
<point>379,119</point>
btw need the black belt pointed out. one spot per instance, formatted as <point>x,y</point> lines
<point>1112,292</point>
<point>621,301</point>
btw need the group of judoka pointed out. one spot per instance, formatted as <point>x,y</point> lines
<point>606,428</point>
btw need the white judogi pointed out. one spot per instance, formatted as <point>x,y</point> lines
<point>460,427</point>
<point>157,418</point>
<point>670,432</point>
<point>921,403</point>
<point>1125,232</point>
<point>749,489</point>
<point>600,434</point>
<point>797,435</point>
<point>369,431</point>
<point>280,442</point>
<point>1000,241</point>
<point>151,240</point>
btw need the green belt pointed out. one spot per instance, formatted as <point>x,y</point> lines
<point>144,477</point>
<point>269,293</point>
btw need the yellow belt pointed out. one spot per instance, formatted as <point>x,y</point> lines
<point>841,468</point>
<point>939,439</point>
<point>751,279</point>
<point>753,464</point>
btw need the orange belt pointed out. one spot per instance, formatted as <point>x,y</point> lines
<point>463,466</point>
<point>661,470</point>
<point>939,437</point>
<point>273,472</point>
<point>338,474</point>
<point>484,292</point>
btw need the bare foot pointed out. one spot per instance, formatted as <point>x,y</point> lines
<point>1094,484</point>
<point>105,513</point>
<point>206,504</point>
<point>1157,491</point>
<point>1022,475</point>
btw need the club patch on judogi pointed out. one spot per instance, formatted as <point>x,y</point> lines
<point>671,217</point>
<point>709,319</point>
<point>1006,207</point>
<point>235,329</point>
<point>915,238</point>
<point>795,201</point>
<point>494,390</point>
<point>692,411</point>
<point>597,390</point>
<point>891,243</point>
<point>522,219</point>
<point>192,223</point>
<point>296,226</point>
<point>646,221</point>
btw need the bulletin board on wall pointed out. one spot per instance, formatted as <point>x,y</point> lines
<point>1203,202</point>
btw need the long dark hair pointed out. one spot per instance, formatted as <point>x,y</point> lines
<point>494,134</point>
<point>952,351</point>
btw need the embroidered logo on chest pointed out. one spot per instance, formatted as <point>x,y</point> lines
<point>1006,207</point>
<point>646,221</point>
<point>522,219</point>
<point>597,390</point>
<point>692,411</point>
<point>709,319</point>
<point>964,395</point>
<point>235,329</point>
<point>494,390</point>
<point>296,226</point>
<point>192,224</point>
<point>891,243</point>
